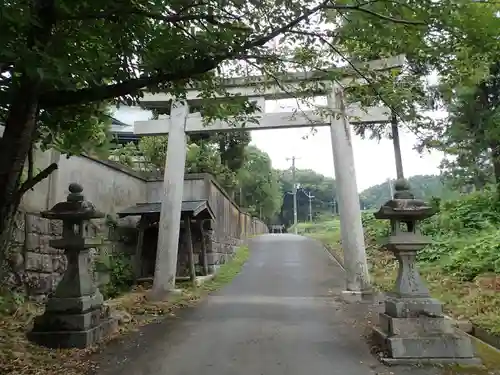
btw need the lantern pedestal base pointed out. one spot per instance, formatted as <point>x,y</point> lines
<point>75,304</point>
<point>74,339</point>
<point>423,339</point>
<point>77,322</point>
<point>408,307</point>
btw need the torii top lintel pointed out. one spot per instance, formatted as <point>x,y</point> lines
<point>258,89</point>
<point>263,88</point>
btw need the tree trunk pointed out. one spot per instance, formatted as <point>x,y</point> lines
<point>14,147</point>
<point>20,123</point>
<point>495,159</point>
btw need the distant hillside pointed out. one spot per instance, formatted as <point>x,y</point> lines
<point>424,187</point>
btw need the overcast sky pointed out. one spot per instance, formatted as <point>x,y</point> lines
<point>374,160</point>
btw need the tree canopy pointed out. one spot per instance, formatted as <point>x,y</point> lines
<point>203,156</point>
<point>62,62</point>
<point>458,44</point>
<point>468,89</point>
<point>259,186</point>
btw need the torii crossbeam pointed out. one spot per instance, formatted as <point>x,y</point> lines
<point>290,86</point>
<point>181,122</point>
<point>263,121</point>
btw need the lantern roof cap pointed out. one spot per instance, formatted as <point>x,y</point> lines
<point>76,208</point>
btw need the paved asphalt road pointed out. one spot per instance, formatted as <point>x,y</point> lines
<point>280,316</point>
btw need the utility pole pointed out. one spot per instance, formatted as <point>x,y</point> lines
<point>333,204</point>
<point>391,191</point>
<point>310,196</point>
<point>294,193</point>
<point>397,147</point>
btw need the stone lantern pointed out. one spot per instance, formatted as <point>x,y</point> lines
<point>74,315</point>
<point>413,329</point>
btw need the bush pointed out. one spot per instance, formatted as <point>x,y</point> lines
<point>121,276</point>
<point>471,213</point>
<point>374,229</point>
<point>10,301</point>
<point>466,256</point>
<point>465,233</point>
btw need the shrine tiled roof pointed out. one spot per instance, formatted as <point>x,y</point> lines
<point>194,208</point>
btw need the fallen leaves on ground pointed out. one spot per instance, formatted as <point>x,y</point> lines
<point>132,310</point>
<point>20,357</point>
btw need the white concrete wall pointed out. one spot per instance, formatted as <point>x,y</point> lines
<point>110,189</point>
<point>194,189</point>
<point>37,199</point>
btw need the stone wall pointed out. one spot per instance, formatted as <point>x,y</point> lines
<point>37,267</point>
<point>16,256</point>
<point>229,230</point>
<point>43,264</point>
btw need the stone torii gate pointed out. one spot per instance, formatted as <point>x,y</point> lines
<point>181,122</point>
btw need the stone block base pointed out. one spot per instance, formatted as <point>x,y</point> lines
<point>476,362</point>
<point>74,305</point>
<point>74,339</point>
<point>413,307</point>
<point>420,326</point>
<point>51,321</point>
<point>421,342</point>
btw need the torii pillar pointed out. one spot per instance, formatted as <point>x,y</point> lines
<point>351,227</point>
<point>171,204</point>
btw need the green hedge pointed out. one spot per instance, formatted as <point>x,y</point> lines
<point>465,233</point>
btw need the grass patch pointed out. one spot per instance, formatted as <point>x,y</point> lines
<point>20,357</point>
<point>227,271</point>
<point>489,356</point>
<point>327,232</point>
